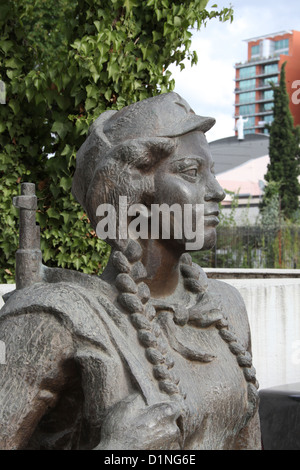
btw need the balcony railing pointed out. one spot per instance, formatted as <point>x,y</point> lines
<point>241,90</point>
<point>255,61</point>
<point>259,75</point>
<point>261,86</point>
<point>260,113</point>
<point>263,100</point>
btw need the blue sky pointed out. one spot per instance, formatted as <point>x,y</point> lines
<point>209,86</point>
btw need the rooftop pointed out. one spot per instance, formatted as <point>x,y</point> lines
<point>246,179</point>
<point>230,152</point>
<point>268,36</point>
<point>257,61</point>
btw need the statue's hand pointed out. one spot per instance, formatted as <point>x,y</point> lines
<point>133,425</point>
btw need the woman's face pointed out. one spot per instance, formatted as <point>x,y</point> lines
<point>187,177</point>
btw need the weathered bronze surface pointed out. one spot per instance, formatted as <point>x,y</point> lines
<point>152,354</point>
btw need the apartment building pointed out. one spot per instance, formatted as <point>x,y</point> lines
<point>253,91</point>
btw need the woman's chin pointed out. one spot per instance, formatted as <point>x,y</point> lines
<point>210,238</point>
<point>202,244</point>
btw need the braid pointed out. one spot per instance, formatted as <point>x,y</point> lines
<point>192,278</point>
<point>134,296</point>
<point>244,360</point>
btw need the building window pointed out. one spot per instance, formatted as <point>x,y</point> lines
<point>250,122</point>
<point>267,81</point>
<point>268,119</point>
<point>271,68</point>
<point>255,51</point>
<point>265,107</point>
<point>282,46</point>
<point>248,72</point>
<point>268,95</point>
<point>247,109</point>
<point>247,84</point>
<point>247,97</point>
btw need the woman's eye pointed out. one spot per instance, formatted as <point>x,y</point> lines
<point>190,172</point>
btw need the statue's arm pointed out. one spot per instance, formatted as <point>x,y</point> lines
<point>37,350</point>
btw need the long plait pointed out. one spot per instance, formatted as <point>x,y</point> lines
<point>134,296</point>
<point>194,283</point>
<point>244,360</point>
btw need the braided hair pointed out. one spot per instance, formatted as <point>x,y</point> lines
<point>134,296</point>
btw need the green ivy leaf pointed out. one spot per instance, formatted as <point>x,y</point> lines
<point>63,67</point>
<point>52,213</point>
<point>65,183</point>
<point>61,128</point>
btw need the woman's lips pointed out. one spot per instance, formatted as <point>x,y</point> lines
<point>211,218</point>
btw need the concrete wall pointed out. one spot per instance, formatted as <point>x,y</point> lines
<point>273,305</point>
<point>272,299</point>
<point>243,216</point>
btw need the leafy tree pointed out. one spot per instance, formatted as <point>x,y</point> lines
<point>283,169</point>
<point>64,62</point>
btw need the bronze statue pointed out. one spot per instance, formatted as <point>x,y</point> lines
<point>152,354</point>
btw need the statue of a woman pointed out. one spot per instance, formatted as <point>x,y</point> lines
<point>151,355</point>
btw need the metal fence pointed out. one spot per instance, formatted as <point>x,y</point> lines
<point>253,247</point>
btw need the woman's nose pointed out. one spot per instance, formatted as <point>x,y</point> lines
<point>214,192</point>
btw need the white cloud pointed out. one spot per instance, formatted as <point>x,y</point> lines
<point>209,86</point>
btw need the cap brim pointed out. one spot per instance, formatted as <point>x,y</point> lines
<point>190,123</point>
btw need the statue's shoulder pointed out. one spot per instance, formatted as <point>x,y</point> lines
<point>231,297</point>
<point>233,307</point>
<point>73,298</point>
